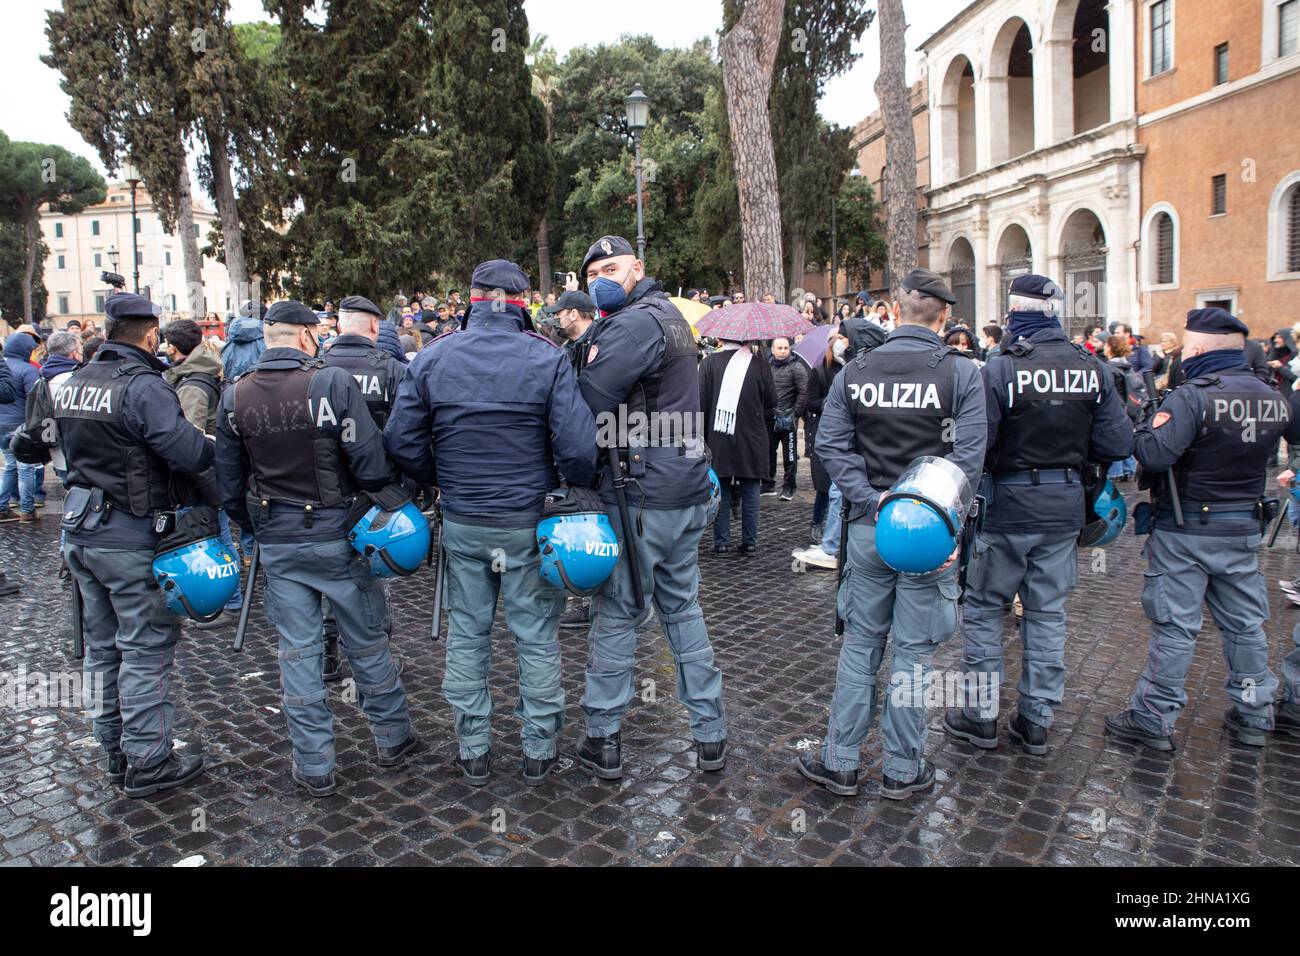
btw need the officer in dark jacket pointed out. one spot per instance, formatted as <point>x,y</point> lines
<point>122,433</point>
<point>574,315</point>
<point>1052,409</point>
<point>645,364</point>
<point>295,443</point>
<point>911,397</point>
<point>492,415</point>
<point>377,373</point>
<point>1217,434</point>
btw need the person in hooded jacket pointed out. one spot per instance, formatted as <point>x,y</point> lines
<point>1281,350</point>
<point>19,479</point>
<point>244,343</point>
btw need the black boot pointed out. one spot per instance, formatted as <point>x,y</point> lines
<point>841,782</point>
<point>713,755</point>
<point>1122,725</point>
<point>173,772</point>
<point>816,531</point>
<point>981,733</point>
<point>332,668</point>
<point>395,756</point>
<point>321,785</point>
<point>577,618</point>
<point>1287,720</point>
<point>1031,736</point>
<point>477,770</point>
<point>603,756</point>
<point>537,769</point>
<point>891,789</point>
<point>116,767</point>
<point>1245,734</point>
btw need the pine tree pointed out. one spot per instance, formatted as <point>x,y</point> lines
<point>900,158</point>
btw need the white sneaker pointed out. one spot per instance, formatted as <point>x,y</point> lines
<point>816,557</point>
<point>1293,597</point>
<point>1289,586</point>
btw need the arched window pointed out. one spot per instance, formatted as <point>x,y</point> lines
<point>1284,229</point>
<point>1164,236</point>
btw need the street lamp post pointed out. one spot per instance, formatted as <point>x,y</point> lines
<point>132,177</point>
<point>638,117</point>
<point>112,256</point>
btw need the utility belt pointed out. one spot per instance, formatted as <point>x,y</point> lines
<point>260,509</point>
<point>85,509</point>
<point>1040,476</point>
<point>1261,510</point>
<point>635,459</point>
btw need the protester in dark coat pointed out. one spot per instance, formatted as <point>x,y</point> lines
<point>1281,351</point>
<point>790,377</point>
<point>244,344</point>
<point>736,423</point>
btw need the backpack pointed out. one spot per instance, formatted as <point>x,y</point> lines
<point>38,436</point>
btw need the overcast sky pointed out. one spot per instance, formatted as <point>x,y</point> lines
<point>34,108</point>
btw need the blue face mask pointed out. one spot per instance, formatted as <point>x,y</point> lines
<point>608,295</point>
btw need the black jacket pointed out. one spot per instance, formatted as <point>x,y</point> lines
<point>790,377</point>
<point>744,453</point>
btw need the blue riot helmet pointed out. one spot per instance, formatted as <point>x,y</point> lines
<point>577,543</point>
<point>192,566</point>
<point>715,494</point>
<point>1295,491</point>
<point>393,538</point>
<point>1112,514</point>
<point>921,516</point>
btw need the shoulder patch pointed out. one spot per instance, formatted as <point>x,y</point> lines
<point>1160,419</point>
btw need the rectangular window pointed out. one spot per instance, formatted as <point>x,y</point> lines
<point>1288,27</point>
<point>172,300</point>
<point>197,234</point>
<point>1221,64</point>
<point>139,258</point>
<point>94,227</point>
<point>58,230</point>
<point>137,224</point>
<point>168,257</point>
<point>1162,35</point>
<point>63,305</point>
<point>99,302</point>
<point>62,262</point>
<point>1219,195</point>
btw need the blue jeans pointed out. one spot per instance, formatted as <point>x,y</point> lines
<point>482,564</point>
<point>831,532</point>
<point>39,484</point>
<point>748,510</point>
<point>19,479</point>
<point>1119,469</point>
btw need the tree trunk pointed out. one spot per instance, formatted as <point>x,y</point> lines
<point>223,188</point>
<point>798,254</point>
<point>900,159</point>
<point>748,57</point>
<point>189,243</point>
<point>544,253</point>
<point>31,236</point>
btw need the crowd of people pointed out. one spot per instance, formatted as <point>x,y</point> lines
<point>277,428</point>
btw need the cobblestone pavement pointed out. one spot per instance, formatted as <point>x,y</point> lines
<point>1091,800</point>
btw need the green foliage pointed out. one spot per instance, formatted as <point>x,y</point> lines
<point>13,263</point>
<point>861,241</point>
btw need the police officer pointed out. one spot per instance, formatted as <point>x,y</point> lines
<point>492,415</point>
<point>645,364</point>
<point>1052,409</point>
<point>295,442</point>
<point>123,435</point>
<point>1212,439</point>
<point>377,373</point>
<point>911,397</point>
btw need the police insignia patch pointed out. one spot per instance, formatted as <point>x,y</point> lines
<point>1160,419</point>
<point>605,247</point>
<point>591,354</point>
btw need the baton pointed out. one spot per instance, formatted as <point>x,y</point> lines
<point>1277,525</point>
<point>78,625</point>
<point>248,597</point>
<point>1170,482</point>
<point>440,576</point>
<point>841,554</point>
<point>625,517</point>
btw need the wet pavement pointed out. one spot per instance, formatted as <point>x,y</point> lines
<point>1091,800</point>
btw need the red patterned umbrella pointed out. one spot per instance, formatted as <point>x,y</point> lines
<point>753,322</point>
